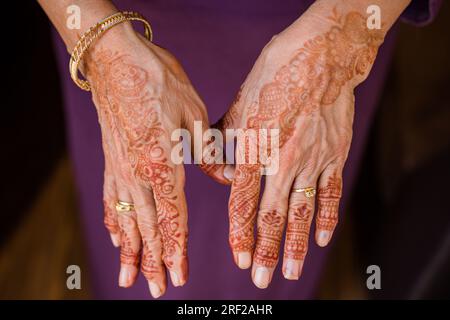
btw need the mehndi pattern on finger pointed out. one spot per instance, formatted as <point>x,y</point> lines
<point>328,203</point>
<point>242,207</point>
<point>110,218</point>
<point>129,254</point>
<point>297,232</point>
<point>270,232</point>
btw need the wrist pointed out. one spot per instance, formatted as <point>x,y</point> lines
<point>121,38</point>
<point>318,13</point>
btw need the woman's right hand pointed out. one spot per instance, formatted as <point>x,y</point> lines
<point>142,94</point>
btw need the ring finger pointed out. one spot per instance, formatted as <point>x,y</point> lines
<point>130,241</point>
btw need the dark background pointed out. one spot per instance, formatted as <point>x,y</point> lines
<point>400,213</point>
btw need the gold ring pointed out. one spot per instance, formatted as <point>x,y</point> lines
<point>122,206</point>
<point>309,192</point>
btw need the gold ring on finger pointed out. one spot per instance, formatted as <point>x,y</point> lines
<point>122,206</point>
<point>309,192</point>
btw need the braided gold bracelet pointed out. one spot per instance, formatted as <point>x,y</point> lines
<point>94,32</point>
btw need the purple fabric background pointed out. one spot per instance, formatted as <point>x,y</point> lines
<point>217,42</point>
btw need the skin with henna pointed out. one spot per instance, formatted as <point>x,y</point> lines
<point>141,94</point>
<point>302,84</point>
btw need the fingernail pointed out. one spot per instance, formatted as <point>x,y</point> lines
<point>115,238</point>
<point>154,289</point>
<point>175,279</point>
<point>244,260</point>
<point>124,276</point>
<point>324,238</point>
<point>262,277</point>
<point>228,172</point>
<point>291,270</point>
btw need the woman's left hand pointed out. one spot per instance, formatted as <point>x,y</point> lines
<point>302,84</point>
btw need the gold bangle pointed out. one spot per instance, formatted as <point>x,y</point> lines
<point>94,32</point>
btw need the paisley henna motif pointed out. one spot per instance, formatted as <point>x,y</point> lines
<point>315,75</point>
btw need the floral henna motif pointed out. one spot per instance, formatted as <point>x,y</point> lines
<point>243,203</point>
<point>270,231</point>
<point>316,74</point>
<point>297,233</point>
<point>134,107</point>
<point>328,201</point>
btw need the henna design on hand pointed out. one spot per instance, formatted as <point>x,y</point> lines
<point>315,75</point>
<point>309,83</point>
<point>243,205</point>
<point>328,202</point>
<point>134,109</point>
<point>110,218</point>
<point>149,265</point>
<point>297,233</point>
<point>129,254</point>
<point>270,231</point>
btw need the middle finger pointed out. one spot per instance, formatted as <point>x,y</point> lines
<point>270,226</point>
